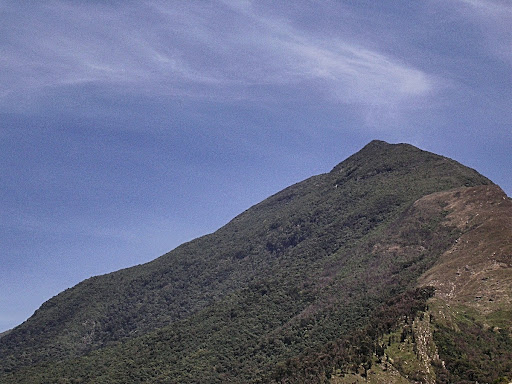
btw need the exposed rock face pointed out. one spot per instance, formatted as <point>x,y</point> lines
<point>477,270</point>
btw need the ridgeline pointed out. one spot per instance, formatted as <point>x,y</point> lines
<point>344,277</point>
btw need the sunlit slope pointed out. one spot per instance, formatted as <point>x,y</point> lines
<point>463,334</point>
<point>289,275</point>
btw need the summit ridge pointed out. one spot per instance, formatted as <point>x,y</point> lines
<point>310,285</point>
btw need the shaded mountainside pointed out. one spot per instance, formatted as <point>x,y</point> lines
<point>291,290</point>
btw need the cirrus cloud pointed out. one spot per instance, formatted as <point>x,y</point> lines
<point>191,50</point>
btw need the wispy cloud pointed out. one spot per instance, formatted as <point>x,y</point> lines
<point>496,8</point>
<point>191,49</point>
<point>495,20</point>
<point>350,71</point>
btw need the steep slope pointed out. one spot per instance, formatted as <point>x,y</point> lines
<point>475,271</point>
<point>463,335</point>
<point>302,268</point>
<point>472,309</point>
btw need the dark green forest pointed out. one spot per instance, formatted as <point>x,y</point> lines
<point>296,287</point>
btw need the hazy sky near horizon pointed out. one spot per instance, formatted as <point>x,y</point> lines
<point>129,127</point>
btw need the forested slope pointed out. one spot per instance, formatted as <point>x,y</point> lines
<point>305,272</point>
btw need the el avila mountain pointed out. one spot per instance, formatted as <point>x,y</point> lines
<point>394,267</point>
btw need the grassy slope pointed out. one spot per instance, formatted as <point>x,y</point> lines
<point>290,273</point>
<point>472,309</point>
<point>466,335</point>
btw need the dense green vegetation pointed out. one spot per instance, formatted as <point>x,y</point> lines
<point>473,353</point>
<point>307,267</point>
<point>354,352</point>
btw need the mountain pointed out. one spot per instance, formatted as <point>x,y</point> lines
<point>393,267</point>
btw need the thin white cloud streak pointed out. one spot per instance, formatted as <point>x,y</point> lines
<point>490,7</point>
<point>495,20</point>
<point>353,72</point>
<point>192,49</point>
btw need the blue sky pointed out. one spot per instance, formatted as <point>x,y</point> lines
<point>129,127</point>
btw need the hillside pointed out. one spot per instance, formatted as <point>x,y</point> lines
<point>463,335</point>
<point>303,287</point>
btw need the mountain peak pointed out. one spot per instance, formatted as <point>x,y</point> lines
<point>381,159</point>
<point>377,143</point>
<point>376,152</point>
<point>306,266</point>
